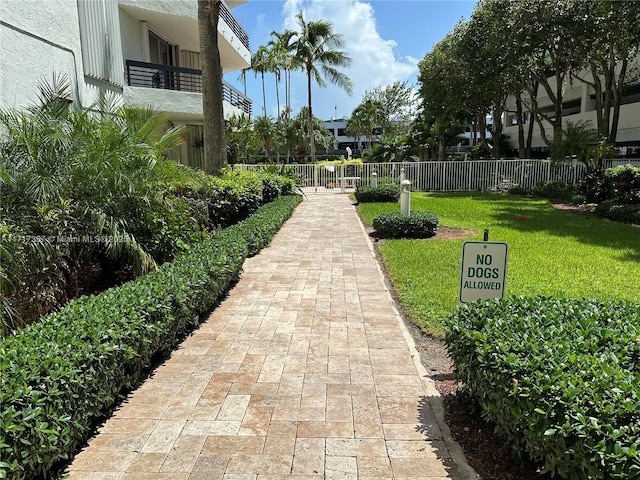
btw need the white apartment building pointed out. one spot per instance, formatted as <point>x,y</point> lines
<point>144,52</point>
<point>579,104</point>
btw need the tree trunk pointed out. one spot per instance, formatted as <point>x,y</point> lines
<point>442,149</point>
<point>278,95</point>
<point>482,119</point>
<point>528,144</point>
<point>497,131</point>
<point>264,97</point>
<point>520,119</point>
<point>312,140</point>
<point>617,99</point>
<point>289,95</point>
<point>215,148</point>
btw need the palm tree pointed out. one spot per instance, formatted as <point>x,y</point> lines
<point>243,78</point>
<point>264,128</point>
<point>274,67</point>
<point>283,54</point>
<point>75,174</point>
<point>240,137</point>
<point>260,65</point>
<point>316,45</point>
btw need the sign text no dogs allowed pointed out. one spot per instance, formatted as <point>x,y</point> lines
<point>484,270</point>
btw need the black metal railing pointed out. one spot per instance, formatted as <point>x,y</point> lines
<point>234,25</point>
<point>168,77</point>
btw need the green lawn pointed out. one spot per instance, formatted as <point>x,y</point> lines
<point>552,253</point>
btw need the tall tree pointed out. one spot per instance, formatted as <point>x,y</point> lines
<point>285,59</point>
<point>241,138</point>
<point>215,148</point>
<point>444,91</point>
<point>553,43</point>
<point>317,48</point>
<point>613,40</point>
<point>260,65</point>
<point>366,117</point>
<point>397,106</point>
<point>265,130</point>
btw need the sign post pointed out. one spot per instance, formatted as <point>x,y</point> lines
<point>484,270</point>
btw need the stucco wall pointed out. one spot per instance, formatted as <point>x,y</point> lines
<point>131,38</point>
<point>41,38</point>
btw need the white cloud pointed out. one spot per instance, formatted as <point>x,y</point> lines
<point>373,61</point>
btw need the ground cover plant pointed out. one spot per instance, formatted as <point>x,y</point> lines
<point>65,372</point>
<point>551,253</point>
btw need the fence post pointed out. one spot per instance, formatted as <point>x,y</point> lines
<point>316,180</point>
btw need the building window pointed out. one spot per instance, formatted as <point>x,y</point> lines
<point>161,51</point>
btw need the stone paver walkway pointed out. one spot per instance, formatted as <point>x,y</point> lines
<point>305,371</point>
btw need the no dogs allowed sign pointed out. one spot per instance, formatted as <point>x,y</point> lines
<point>484,270</point>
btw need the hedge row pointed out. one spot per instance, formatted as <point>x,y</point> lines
<point>418,224</point>
<point>234,194</point>
<point>559,378</point>
<point>258,230</point>
<point>383,193</point>
<point>62,374</point>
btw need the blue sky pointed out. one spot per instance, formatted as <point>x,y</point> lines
<point>384,38</point>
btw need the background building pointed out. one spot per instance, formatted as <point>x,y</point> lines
<point>579,104</point>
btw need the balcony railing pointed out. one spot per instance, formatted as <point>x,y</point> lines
<point>234,25</point>
<point>168,77</point>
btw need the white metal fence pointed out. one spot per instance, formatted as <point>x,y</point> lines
<point>447,176</point>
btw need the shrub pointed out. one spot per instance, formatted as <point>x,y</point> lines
<point>271,188</point>
<point>234,195</point>
<point>557,191</point>
<point>611,209</point>
<point>65,372</point>
<point>383,193</point>
<point>625,183</point>
<point>559,378</point>
<point>518,190</point>
<point>418,224</point>
<point>595,187</point>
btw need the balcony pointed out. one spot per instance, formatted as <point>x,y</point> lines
<point>176,21</point>
<point>234,25</point>
<point>179,79</point>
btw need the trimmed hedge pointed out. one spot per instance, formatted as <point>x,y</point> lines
<point>384,193</point>
<point>558,377</point>
<point>258,230</point>
<point>62,374</point>
<point>418,224</point>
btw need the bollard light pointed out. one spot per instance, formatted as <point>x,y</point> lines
<point>405,197</point>
<point>402,176</point>
<point>374,179</point>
